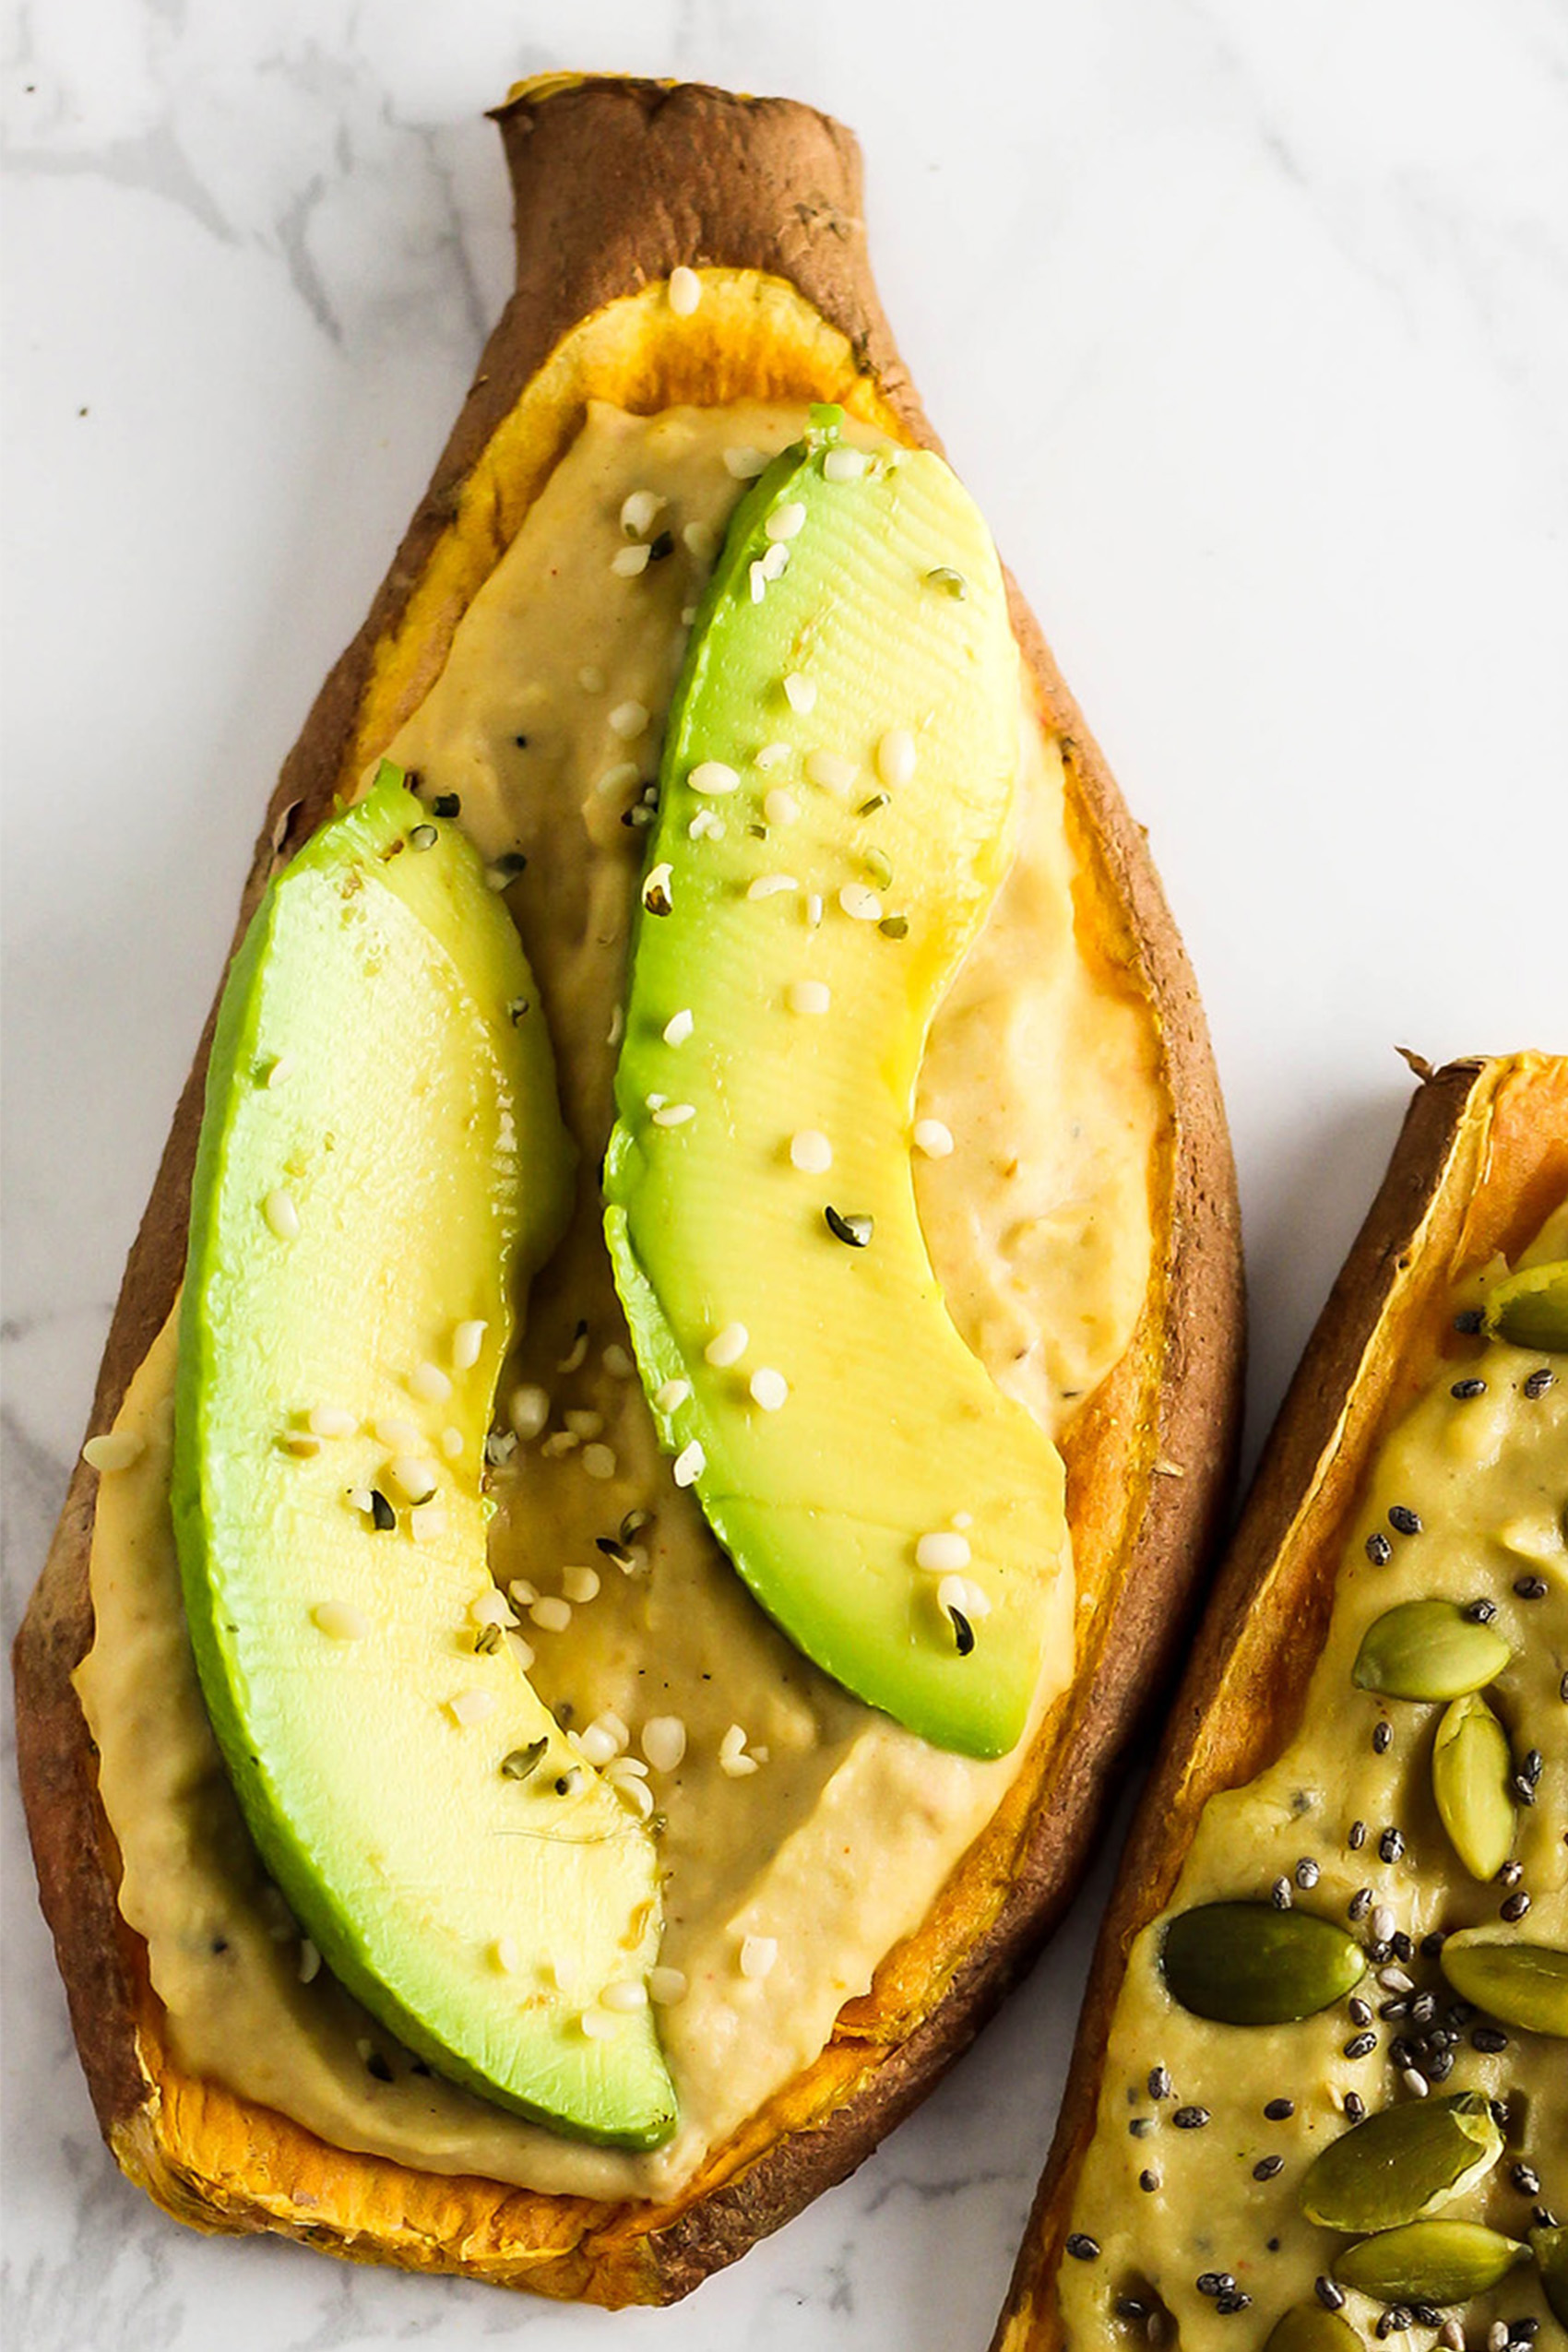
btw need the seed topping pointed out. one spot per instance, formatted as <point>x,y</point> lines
<point>685,291</point>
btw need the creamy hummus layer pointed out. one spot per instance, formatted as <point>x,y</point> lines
<point>1487,1476</point>
<point>796,1818</point>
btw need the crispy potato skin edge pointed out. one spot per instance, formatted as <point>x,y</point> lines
<point>616,181</point>
<point>1481,1158</point>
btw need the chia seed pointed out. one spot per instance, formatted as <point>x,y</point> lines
<point>1360,2046</point>
<point>1538,1383</point>
<point>1463,1390</point>
<point>1530,1587</point>
<point>1391,1845</point>
<point>1083,2249</point>
<point>1358,1837</point>
<point>1515,1908</point>
<point>1279,1894</point>
<point>1148,2182</point>
<point>1481,1613</point>
<point>1468,1321</point>
<point>1280,2110</point>
<point>1383,1738</point>
<point>1332,2297</point>
<point>1488,2041</point>
<point>1268,2167</point>
<point>1307,1873</point>
<point>1160,2083</point>
<point>1402,1520</point>
<point>1380,1551</point>
<point>1189,2118</point>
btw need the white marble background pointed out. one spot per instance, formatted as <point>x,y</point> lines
<point>1249,326</point>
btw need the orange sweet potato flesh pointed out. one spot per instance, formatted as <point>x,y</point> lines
<point>1481,1160</point>
<point>615,182</point>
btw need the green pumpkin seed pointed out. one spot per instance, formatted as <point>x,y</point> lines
<point>1402,2164</point>
<point>1430,2261</point>
<point>1309,2328</point>
<point>1246,1963</point>
<point>1530,1310</point>
<point>1525,1984</point>
<point>1472,1771</point>
<point>1550,2248</point>
<point>1428,1649</point>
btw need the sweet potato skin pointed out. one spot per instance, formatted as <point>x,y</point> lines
<point>615,182</point>
<point>1481,1158</point>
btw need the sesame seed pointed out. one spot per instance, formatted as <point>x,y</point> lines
<point>658,890</point>
<point>616,1030</point>
<point>772,885</point>
<point>115,1450</point>
<point>781,807</point>
<point>528,1411</point>
<point>664,1741</point>
<point>627,719</point>
<point>674,1393</point>
<point>745,463</point>
<point>466,1340</point>
<point>427,1382</point>
<point>427,1521</point>
<point>590,680</point>
<point>416,1477</point>
<point>1415,2082</point>
<point>583,1422</point>
<point>310,1961</point>
<point>758,1953</point>
<point>617,1361</point>
<point>713,778</point>
<point>491,1608</point>
<point>281,1069</point>
<point>831,770</point>
<point>599,1461</point>
<point>581,1584</point>
<point>814,911</point>
<point>595,1745</point>
<point>507,1955</point>
<point>360,1498</point>
<point>861,903</point>
<point>629,1994</point>
<point>811,1152</point>
<point>808,996</point>
<point>773,756</point>
<point>943,1551</point>
<point>799,693</point>
<point>423,836</point>
<point>283,1216</point>
<point>666,1987</point>
<point>843,465</point>
<point>674,1114</point>
<point>550,1614</point>
<point>685,291</point>
<point>522,1651</point>
<point>628,562</point>
<point>678,1027</point>
<point>637,512</point>
<point>341,1620</point>
<point>472,1707</point>
<point>397,1432</point>
<point>689,1465</point>
<point>598,2025</point>
<point>726,1347</point>
<point>756,578</point>
<point>895,757</point>
<point>962,1593</point>
<point>770,1390</point>
<point>733,1761</point>
<point>701,541</point>
<point>1382,1924</point>
<point>933,1138</point>
<point>787,521</point>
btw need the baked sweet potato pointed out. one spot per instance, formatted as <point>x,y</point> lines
<point>1481,1162</point>
<point>616,184</point>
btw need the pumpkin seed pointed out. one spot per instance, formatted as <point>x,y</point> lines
<point>1525,1984</point>
<point>1428,1649</point>
<point>1246,1963</point>
<point>1402,2164</point>
<point>1549,2247</point>
<point>1530,1310</point>
<point>1472,1768</point>
<point>1309,2328</point>
<point>1430,2261</point>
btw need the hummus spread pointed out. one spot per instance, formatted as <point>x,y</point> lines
<point>796,1824</point>
<point>1486,1474</point>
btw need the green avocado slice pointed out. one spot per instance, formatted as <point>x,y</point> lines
<point>382,1166</point>
<point>836,814</point>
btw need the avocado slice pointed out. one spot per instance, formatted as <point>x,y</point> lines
<point>382,1166</point>
<point>836,814</point>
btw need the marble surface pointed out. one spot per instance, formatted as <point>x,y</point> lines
<point>1249,327</point>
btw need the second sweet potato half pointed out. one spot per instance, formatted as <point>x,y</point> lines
<point>1319,2097</point>
<point>844,1902</point>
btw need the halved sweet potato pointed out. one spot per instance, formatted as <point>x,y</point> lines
<point>617,183</point>
<point>1481,1160</point>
